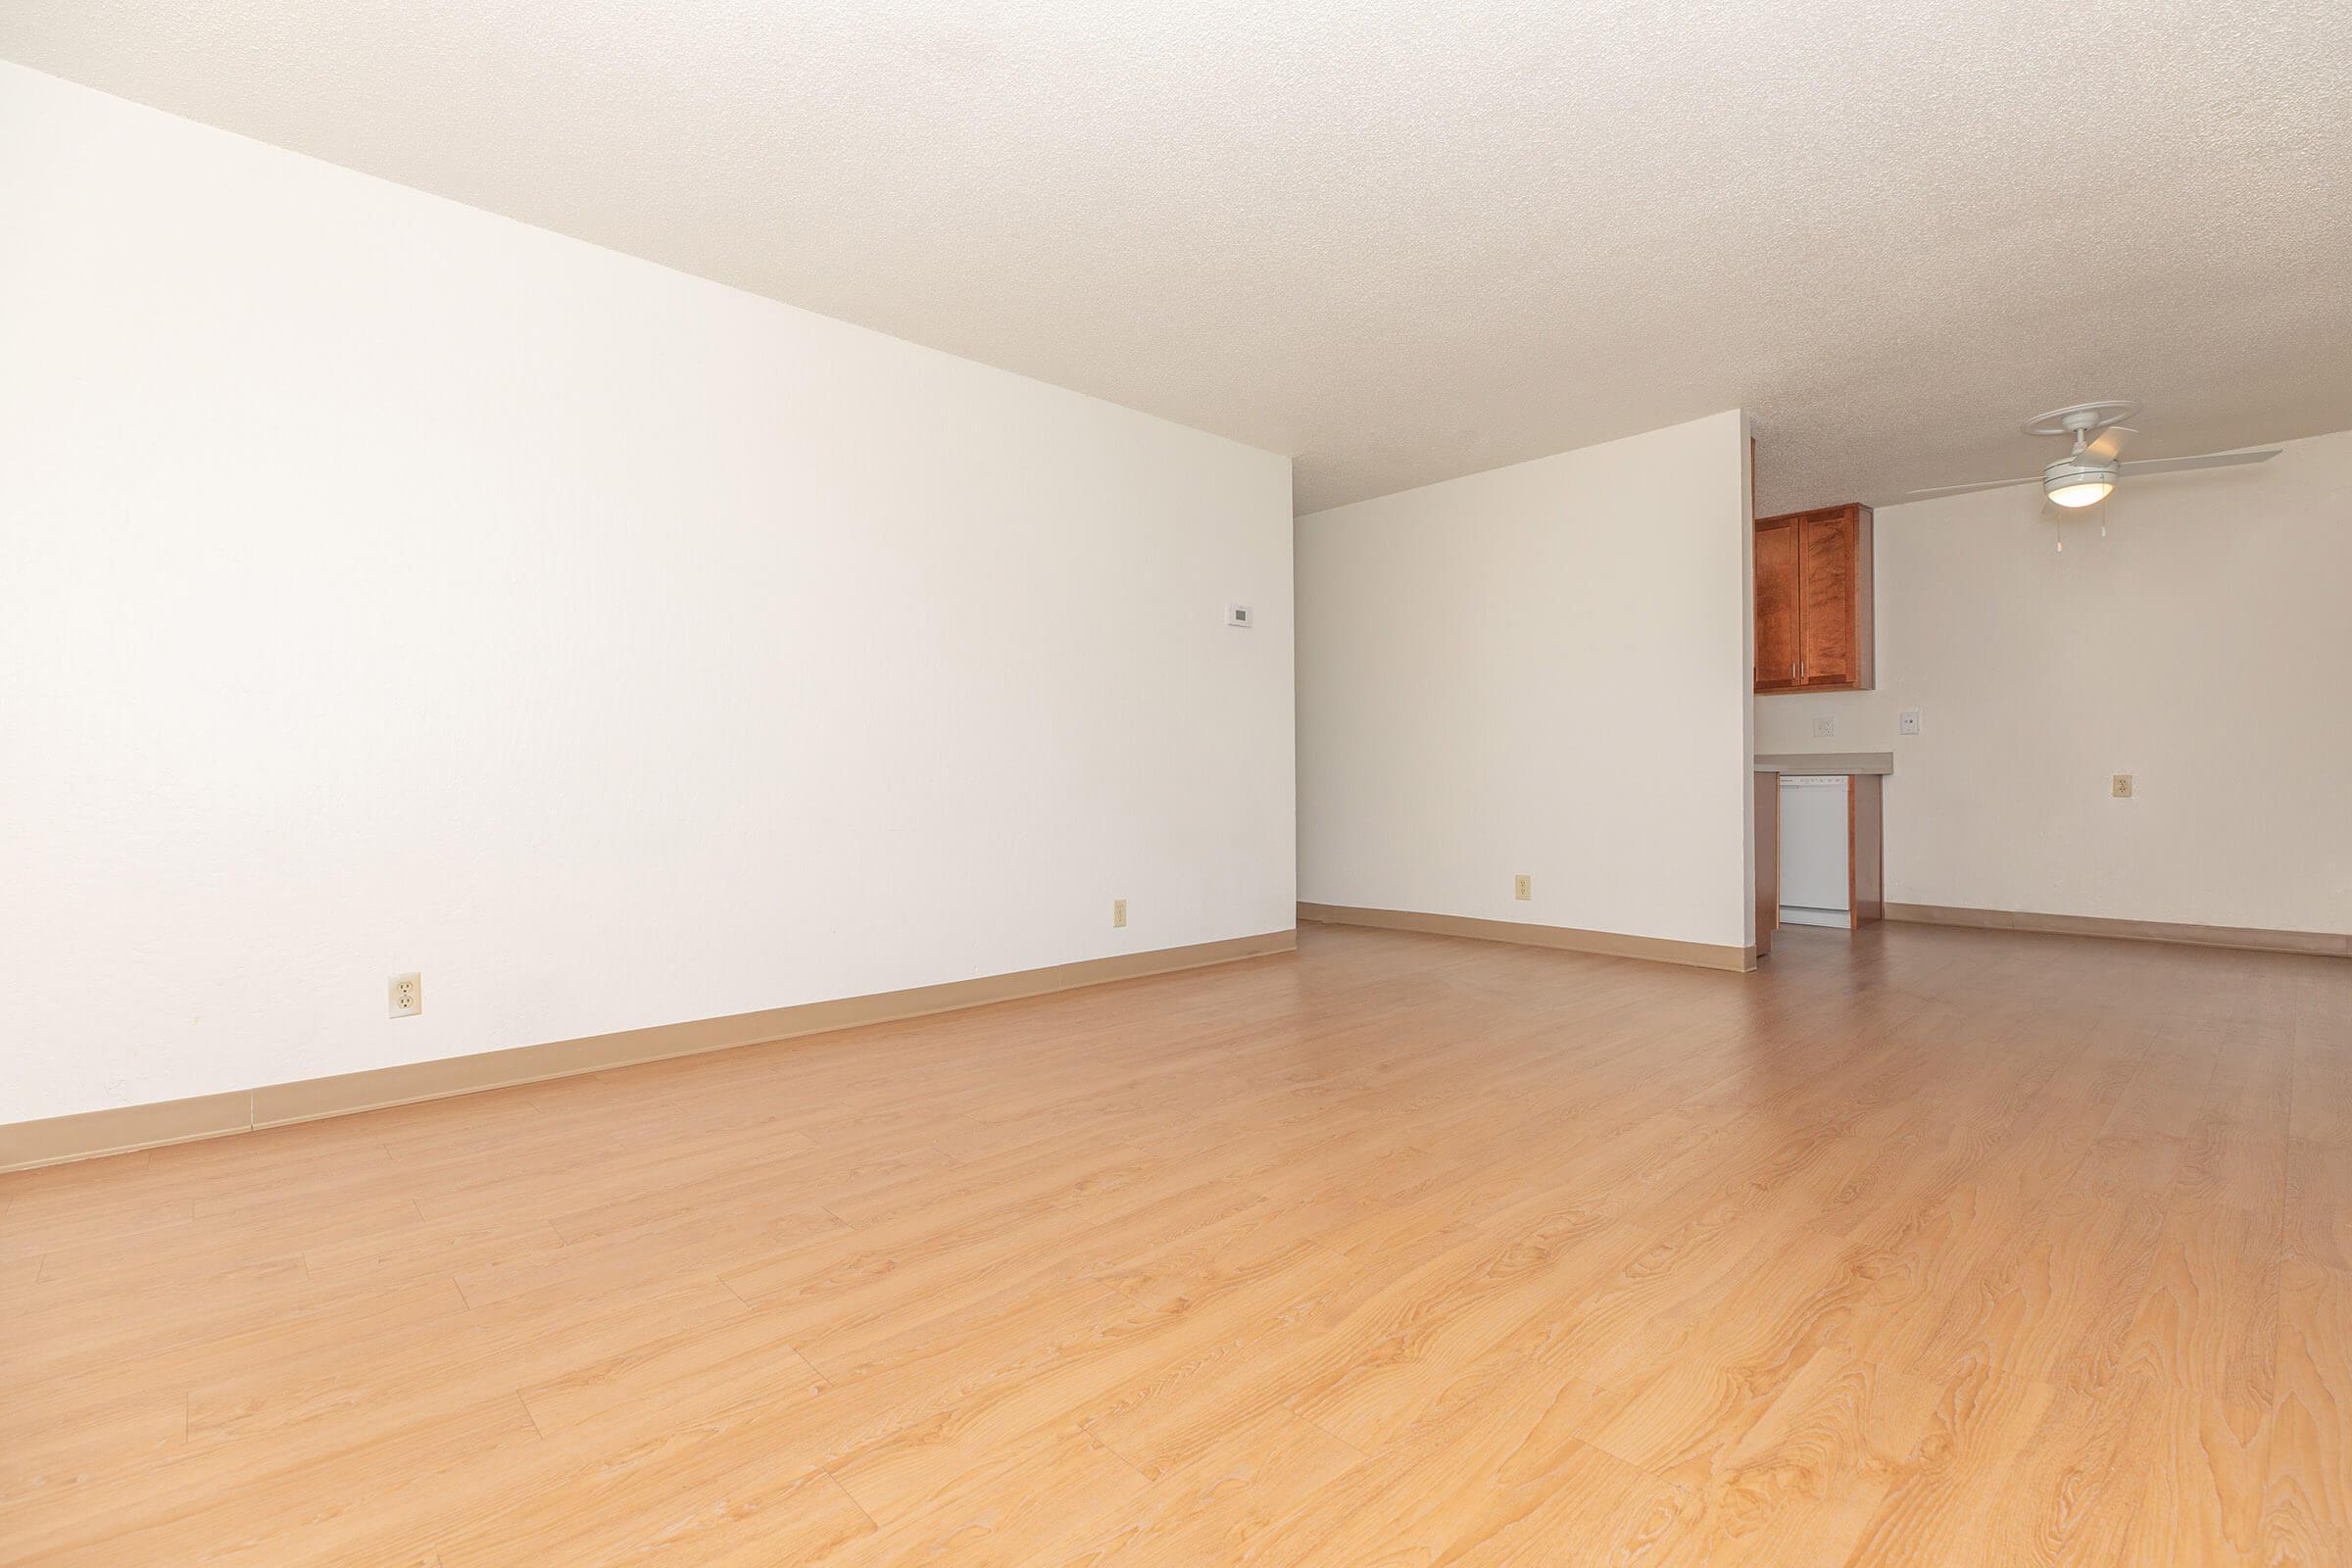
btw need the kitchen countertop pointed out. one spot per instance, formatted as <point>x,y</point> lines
<point>1825,762</point>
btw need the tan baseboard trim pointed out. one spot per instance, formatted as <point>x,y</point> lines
<point>2326,944</point>
<point>57,1138</point>
<point>1611,943</point>
<point>120,1129</point>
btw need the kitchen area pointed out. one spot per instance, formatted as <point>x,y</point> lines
<point>1820,839</point>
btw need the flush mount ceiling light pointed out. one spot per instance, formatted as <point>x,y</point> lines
<point>2088,474</point>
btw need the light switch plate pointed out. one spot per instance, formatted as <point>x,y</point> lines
<point>1907,722</point>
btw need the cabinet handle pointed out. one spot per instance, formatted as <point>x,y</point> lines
<point>1792,670</point>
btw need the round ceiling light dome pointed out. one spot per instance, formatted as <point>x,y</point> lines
<point>2079,481</point>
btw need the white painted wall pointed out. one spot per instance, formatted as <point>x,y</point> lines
<point>391,586</point>
<point>2203,646</point>
<point>1541,669</point>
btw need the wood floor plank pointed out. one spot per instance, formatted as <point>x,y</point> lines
<point>2010,1471</point>
<point>1799,1481</point>
<point>1697,1380</point>
<point>253,1504</point>
<point>1376,1372</point>
<point>1004,1505</point>
<point>2319,1202</point>
<point>1114,1349</point>
<point>1217,1507</point>
<point>670,1498</point>
<point>1492,1473</point>
<point>2204,1343</point>
<point>579,1349</point>
<point>2053,1302</point>
<point>2307,1444</point>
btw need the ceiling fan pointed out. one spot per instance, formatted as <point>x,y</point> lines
<point>2086,476</point>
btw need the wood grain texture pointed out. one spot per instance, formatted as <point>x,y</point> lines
<point>1919,1246</point>
<point>1865,596</point>
<point>1815,610</point>
<point>1825,578</point>
<point>1866,848</point>
<point>1778,615</point>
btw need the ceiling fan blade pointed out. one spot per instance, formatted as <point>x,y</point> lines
<point>1989,484</point>
<point>2111,442</point>
<point>2212,460</point>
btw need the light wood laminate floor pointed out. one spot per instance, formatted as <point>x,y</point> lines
<point>1919,1246</point>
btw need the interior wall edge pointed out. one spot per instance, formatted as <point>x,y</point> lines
<point>125,1129</point>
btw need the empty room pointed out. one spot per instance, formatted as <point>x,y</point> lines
<point>823,785</point>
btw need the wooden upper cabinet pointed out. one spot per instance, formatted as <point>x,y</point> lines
<point>1776,605</point>
<point>1814,619</point>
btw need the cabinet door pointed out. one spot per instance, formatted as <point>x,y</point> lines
<point>1826,651</point>
<point>1777,648</point>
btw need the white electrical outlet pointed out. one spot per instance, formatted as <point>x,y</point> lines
<point>1906,723</point>
<point>407,995</point>
<point>2121,786</point>
<point>1824,727</point>
<point>1119,911</point>
<point>1523,887</point>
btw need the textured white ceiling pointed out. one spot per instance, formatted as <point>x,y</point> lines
<point>1405,240</point>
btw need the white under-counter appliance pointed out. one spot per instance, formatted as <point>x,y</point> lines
<point>1816,841</point>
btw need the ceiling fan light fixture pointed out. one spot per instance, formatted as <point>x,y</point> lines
<point>2080,492</point>
<point>2088,474</point>
<point>2077,481</point>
